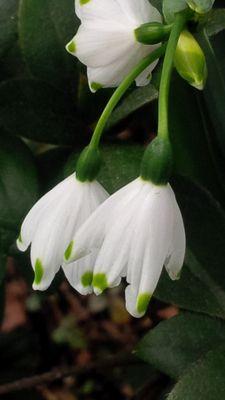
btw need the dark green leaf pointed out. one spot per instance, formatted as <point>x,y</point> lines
<point>135,100</point>
<point>45,27</point>
<point>188,130</point>
<point>214,93</point>
<point>171,7</point>
<point>215,22</point>
<point>32,108</point>
<point>157,4</point>
<point>8,24</point>
<point>175,344</point>
<point>204,380</point>
<point>201,287</point>
<point>18,186</point>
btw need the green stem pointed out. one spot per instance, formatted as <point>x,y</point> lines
<point>163,129</point>
<point>119,92</point>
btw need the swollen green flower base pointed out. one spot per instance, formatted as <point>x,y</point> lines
<point>89,164</point>
<point>157,162</point>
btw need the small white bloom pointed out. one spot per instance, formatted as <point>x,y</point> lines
<point>137,231</point>
<point>106,41</point>
<point>51,224</point>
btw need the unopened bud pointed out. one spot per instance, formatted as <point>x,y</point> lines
<point>152,32</point>
<point>190,61</point>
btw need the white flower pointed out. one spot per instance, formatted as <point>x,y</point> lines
<point>137,231</point>
<point>52,222</point>
<point>106,41</point>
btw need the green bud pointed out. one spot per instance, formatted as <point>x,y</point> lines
<point>200,6</point>
<point>190,61</point>
<point>157,162</point>
<point>88,164</point>
<point>152,32</point>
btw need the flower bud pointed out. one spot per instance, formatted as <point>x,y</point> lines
<point>200,6</point>
<point>152,32</point>
<point>88,164</point>
<point>157,162</point>
<point>190,61</point>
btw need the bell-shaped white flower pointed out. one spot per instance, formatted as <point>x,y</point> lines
<point>52,222</point>
<point>137,231</point>
<point>106,41</point>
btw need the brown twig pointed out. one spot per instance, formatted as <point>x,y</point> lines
<point>60,373</point>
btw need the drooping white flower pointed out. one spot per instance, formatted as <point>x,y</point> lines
<point>106,43</point>
<point>50,225</point>
<point>137,231</point>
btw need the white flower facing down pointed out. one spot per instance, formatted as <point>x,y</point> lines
<point>137,231</point>
<point>50,225</point>
<point>106,42</point>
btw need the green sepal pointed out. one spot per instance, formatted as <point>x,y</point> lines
<point>157,162</point>
<point>190,61</point>
<point>152,32</point>
<point>88,164</point>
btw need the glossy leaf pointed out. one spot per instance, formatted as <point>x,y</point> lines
<point>175,344</point>
<point>135,100</point>
<point>8,24</point>
<point>45,27</point>
<point>215,22</point>
<point>18,186</point>
<point>34,109</point>
<point>204,380</point>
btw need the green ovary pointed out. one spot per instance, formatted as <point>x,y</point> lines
<point>100,281</point>
<point>87,278</point>
<point>142,302</point>
<point>38,271</point>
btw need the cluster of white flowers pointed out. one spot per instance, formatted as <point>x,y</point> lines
<point>131,234</point>
<point>99,239</point>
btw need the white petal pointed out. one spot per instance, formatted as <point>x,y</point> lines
<point>98,11</point>
<point>92,232</point>
<point>32,219</point>
<point>159,219</point>
<point>176,254</point>
<point>80,274</point>
<point>56,230</point>
<point>114,254</point>
<point>140,11</point>
<point>103,45</point>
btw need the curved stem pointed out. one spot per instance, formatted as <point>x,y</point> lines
<point>163,130</point>
<point>119,92</point>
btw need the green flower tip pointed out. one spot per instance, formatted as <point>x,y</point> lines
<point>20,238</point>
<point>87,278</point>
<point>71,47</point>
<point>95,86</point>
<point>68,251</point>
<point>100,282</point>
<point>38,271</point>
<point>142,302</point>
<point>82,2</point>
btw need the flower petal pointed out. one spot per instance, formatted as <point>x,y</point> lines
<point>176,255</point>
<point>159,218</point>
<point>91,234</point>
<point>80,274</point>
